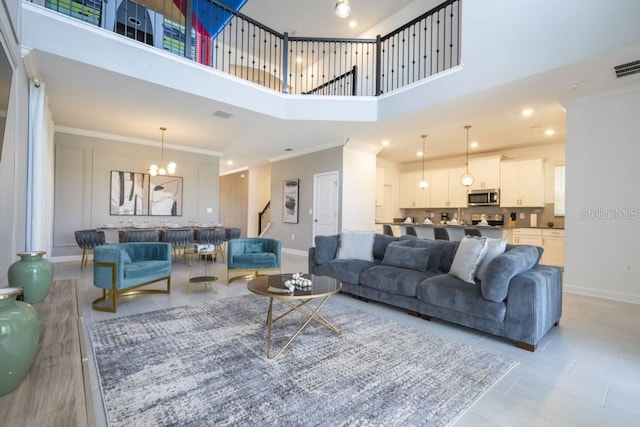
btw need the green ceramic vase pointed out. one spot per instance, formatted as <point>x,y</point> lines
<point>32,273</point>
<point>18,339</point>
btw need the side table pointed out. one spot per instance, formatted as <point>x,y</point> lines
<point>207,279</point>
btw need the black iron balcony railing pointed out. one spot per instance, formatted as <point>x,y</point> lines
<point>213,34</point>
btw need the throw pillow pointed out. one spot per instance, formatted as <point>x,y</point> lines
<point>253,248</point>
<point>406,257</point>
<point>495,247</point>
<point>468,257</point>
<point>356,245</point>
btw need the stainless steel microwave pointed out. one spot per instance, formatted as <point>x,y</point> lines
<point>483,198</point>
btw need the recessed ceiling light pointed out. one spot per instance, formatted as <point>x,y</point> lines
<point>474,144</point>
<point>288,149</point>
<point>420,153</point>
<point>549,132</point>
<point>299,60</point>
<point>527,112</point>
<point>385,143</point>
<point>229,162</point>
<point>353,24</point>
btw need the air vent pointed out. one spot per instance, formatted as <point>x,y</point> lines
<point>222,114</point>
<point>627,69</point>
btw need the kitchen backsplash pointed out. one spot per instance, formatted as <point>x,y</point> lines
<point>544,215</point>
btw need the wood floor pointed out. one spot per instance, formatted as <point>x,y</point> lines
<point>53,393</point>
<point>586,372</point>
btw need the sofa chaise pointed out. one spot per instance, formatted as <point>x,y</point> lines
<point>515,298</point>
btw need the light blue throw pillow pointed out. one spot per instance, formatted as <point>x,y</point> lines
<point>253,248</point>
<point>356,245</point>
<point>468,257</point>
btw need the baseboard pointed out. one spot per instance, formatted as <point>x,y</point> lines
<point>295,251</point>
<point>68,258</point>
<point>616,296</point>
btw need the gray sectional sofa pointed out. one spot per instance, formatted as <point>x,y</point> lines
<point>518,298</point>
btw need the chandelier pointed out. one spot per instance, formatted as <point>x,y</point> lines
<point>343,8</point>
<point>423,183</point>
<point>169,168</point>
<point>467,179</point>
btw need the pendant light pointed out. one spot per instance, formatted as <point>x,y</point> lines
<point>467,179</point>
<point>423,183</point>
<point>163,169</point>
<point>343,8</point>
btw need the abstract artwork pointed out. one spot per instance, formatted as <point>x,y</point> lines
<point>129,193</point>
<point>165,195</point>
<point>290,202</point>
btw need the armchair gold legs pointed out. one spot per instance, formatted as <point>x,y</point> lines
<point>111,295</point>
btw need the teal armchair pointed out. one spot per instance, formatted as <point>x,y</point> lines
<point>120,269</point>
<point>252,255</point>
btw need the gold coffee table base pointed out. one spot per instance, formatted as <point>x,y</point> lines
<point>271,286</point>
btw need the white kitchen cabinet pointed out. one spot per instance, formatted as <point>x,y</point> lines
<point>486,172</point>
<point>527,236</point>
<point>379,186</point>
<point>522,183</point>
<point>446,190</point>
<point>553,244</point>
<point>411,195</point>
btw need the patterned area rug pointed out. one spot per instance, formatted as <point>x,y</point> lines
<point>205,365</point>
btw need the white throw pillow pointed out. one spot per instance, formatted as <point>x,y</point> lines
<point>495,247</point>
<point>469,255</point>
<point>356,245</point>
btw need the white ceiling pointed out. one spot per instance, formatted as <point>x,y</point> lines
<point>90,98</point>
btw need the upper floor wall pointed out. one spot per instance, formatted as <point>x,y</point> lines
<point>501,42</point>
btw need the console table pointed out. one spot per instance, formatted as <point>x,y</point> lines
<point>57,389</point>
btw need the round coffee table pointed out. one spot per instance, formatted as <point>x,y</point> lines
<point>272,287</point>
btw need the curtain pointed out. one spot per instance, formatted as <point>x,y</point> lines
<point>39,171</point>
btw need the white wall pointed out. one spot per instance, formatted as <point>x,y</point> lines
<point>359,187</point>
<point>602,249</point>
<point>82,184</point>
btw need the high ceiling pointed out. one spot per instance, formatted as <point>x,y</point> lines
<point>93,99</point>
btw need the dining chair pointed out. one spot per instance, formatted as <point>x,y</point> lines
<point>87,240</point>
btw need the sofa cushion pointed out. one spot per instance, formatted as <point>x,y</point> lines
<point>252,248</point>
<point>356,245</point>
<point>451,293</point>
<point>404,257</point>
<point>502,268</point>
<point>470,252</point>
<point>255,261</point>
<point>380,243</point>
<point>345,270</point>
<point>126,259</point>
<point>495,247</point>
<point>326,248</point>
<point>393,280</point>
<point>134,270</point>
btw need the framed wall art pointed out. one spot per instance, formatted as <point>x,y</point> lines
<point>290,202</point>
<point>129,193</point>
<point>140,194</point>
<point>165,195</point>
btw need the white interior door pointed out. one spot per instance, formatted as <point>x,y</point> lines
<point>325,204</point>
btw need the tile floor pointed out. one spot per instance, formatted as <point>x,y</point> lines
<point>586,372</point>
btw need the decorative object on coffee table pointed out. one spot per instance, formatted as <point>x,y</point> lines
<point>18,339</point>
<point>34,274</point>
